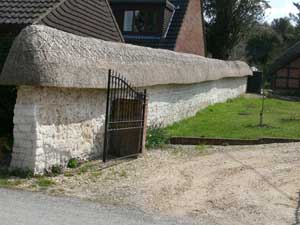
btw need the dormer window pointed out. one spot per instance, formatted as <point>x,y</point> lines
<point>141,21</point>
<point>143,18</point>
<point>166,24</point>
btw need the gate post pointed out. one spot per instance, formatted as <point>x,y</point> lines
<point>145,125</point>
<point>105,152</point>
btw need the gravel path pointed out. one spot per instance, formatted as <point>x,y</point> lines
<point>256,185</point>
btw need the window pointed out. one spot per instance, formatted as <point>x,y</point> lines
<point>128,21</point>
<point>141,21</point>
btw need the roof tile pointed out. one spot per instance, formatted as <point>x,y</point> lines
<point>23,11</point>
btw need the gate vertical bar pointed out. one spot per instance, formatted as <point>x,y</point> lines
<point>106,118</point>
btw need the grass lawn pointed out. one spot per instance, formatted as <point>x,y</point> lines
<point>239,118</point>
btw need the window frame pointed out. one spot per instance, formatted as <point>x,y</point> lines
<point>119,10</point>
<point>159,25</point>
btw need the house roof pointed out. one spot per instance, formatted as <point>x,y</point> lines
<point>288,56</point>
<point>169,42</point>
<point>24,12</point>
<point>92,18</point>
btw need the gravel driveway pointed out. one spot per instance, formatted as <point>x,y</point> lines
<point>223,185</point>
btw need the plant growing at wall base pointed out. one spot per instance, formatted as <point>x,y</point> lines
<point>73,163</point>
<point>54,170</point>
<point>156,137</point>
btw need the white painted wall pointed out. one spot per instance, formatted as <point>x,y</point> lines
<point>53,125</point>
<point>172,103</point>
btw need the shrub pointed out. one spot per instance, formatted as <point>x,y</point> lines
<point>73,163</point>
<point>156,137</point>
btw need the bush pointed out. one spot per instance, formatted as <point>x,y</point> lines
<point>73,163</point>
<point>156,137</point>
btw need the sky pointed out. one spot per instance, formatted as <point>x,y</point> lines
<point>280,8</point>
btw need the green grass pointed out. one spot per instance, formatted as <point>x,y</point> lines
<point>44,182</point>
<point>239,118</point>
<point>6,183</point>
<point>10,179</point>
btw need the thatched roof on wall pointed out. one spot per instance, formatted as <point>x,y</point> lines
<point>43,56</point>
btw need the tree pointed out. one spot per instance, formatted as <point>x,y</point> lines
<point>284,28</point>
<point>262,45</point>
<point>296,19</point>
<point>227,21</point>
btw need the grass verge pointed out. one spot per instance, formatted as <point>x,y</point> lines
<point>9,179</point>
<point>239,118</point>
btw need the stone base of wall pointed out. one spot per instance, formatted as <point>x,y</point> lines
<point>53,125</point>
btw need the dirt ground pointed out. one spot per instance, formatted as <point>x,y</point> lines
<point>223,185</point>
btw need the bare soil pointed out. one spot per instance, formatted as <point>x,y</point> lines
<point>226,185</point>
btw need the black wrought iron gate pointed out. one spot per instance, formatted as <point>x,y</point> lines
<point>124,122</point>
